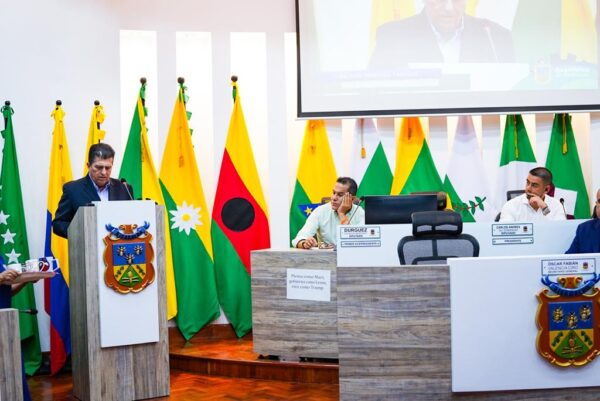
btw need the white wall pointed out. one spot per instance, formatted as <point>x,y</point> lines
<point>70,50</point>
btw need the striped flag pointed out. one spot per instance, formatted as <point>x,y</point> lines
<point>138,170</point>
<point>240,221</point>
<point>465,182</point>
<point>563,162</point>
<point>95,134</point>
<point>56,290</point>
<point>316,175</point>
<point>13,246</point>
<point>415,170</point>
<point>516,159</point>
<point>370,167</point>
<point>191,246</point>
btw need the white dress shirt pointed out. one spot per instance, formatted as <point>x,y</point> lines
<point>325,221</point>
<point>519,209</point>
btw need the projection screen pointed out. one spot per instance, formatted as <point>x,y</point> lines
<point>441,57</point>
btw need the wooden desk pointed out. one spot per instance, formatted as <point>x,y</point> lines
<point>288,327</point>
<point>394,338</point>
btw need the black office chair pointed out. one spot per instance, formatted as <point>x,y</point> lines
<point>514,193</point>
<point>436,237</point>
<point>510,195</point>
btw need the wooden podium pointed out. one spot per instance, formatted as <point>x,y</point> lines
<point>11,385</point>
<point>125,372</point>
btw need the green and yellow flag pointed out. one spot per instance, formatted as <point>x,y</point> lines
<point>563,161</point>
<point>138,170</point>
<point>316,175</point>
<point>193,262</point>
<point>415,170</point>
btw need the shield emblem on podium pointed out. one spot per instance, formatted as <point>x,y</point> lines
<point>128,258</point>
<point>568,328</point>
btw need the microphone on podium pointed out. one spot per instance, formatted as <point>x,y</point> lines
<point>124,182</point>
<point>31,311</point>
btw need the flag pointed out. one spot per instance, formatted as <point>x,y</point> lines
<point>415,170</point>
<point>240,222</point>
<point>56,290</point>
<point>316,175</point>
<point>13,246</point>
<point>138,170</point>
<point>197,302</point>
<point>95,134</point>
<point>369,166</point>
<point>578,31</point>
<point>563,162</point>
<point>516,159</point>
<point>465,182</point>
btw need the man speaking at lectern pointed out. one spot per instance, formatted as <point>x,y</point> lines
<point>96,186</point>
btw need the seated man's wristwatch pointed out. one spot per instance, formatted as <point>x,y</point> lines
<point>545,210</point>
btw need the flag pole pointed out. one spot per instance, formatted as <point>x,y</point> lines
<point>234,80</point>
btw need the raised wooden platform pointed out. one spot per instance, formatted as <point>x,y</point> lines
<point>216,351</point>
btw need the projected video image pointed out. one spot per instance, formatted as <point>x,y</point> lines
<point>378,55</point>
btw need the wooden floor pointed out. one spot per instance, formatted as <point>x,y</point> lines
<point>189,386</point>
<point>216,365</point>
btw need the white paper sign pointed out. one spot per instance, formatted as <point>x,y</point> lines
<point>309,284</point>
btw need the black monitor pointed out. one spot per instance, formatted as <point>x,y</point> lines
<point>397,209</point>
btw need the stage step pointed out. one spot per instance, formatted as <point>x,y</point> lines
<point>216,351</point>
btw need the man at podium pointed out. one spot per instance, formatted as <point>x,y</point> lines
<point>96,186</point>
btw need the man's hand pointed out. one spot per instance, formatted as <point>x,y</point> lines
<point>537,203</point>
<point>308,243</point>
<point>345,205</point>
<point>8,276</point>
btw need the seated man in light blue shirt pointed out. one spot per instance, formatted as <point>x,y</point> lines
<point>325,219</point>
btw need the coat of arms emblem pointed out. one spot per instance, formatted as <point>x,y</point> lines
<point>128,258</point>
<point>568,317</point>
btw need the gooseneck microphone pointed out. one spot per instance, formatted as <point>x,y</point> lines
<point>360,201</point>
<point>488,32</point>
<point>124,182</point>
<point>31,311</point>
<point>562,202</point>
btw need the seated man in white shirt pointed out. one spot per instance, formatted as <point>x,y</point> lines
<point>326,219</point>
<point>535,204</point>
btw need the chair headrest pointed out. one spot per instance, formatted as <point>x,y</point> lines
<point>436,222</point>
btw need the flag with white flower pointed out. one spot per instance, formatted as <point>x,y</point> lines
<point>189,223</point>
<point>13,245</point>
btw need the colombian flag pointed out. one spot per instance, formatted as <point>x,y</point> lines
<point>415,170</point>
<point>240,222</point>
<point>138,170</point>
<point>316,175</point>
<point>56,290</point>
<point>189,225</point>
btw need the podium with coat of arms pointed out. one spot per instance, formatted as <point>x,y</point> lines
<point>118,301</point>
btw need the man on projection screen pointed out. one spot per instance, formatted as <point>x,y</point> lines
<point>441,33</point>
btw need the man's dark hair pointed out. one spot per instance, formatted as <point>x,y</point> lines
<point>100,151</point>
<point>352,187</point>
<point>543,173</point>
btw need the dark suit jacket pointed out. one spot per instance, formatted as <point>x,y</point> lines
<point>413,40</point>
<point>80,193</point>
<point>587,238</point>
